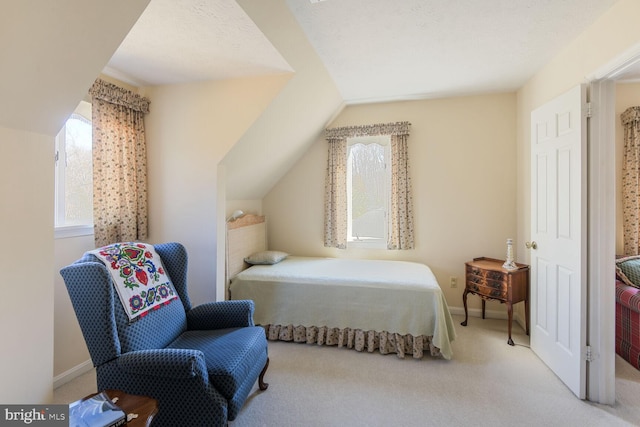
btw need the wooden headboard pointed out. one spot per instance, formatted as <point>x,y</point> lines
<point>245,236</point>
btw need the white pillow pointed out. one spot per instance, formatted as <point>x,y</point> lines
<point>266,257</point>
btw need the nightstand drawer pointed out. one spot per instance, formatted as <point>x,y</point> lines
<point>497,276</point>
<point>496,293</point>
<point>487,282</point>
<point>480,273</point>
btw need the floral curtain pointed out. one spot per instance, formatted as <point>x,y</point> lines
<point>119,164</point>
<point>401,218</point>
<point>335,197</point>
<point>631,181</point>
<point>401,225</point>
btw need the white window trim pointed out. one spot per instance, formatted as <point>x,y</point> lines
<point>367,244</point>
<point>61,155</point>
<point>67,231</point>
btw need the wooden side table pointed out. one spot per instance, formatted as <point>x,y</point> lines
<point>145,407</point>
<point>487,278</point>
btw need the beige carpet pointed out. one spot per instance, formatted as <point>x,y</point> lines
<point>488,383</point>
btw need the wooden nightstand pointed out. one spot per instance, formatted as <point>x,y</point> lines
<point>487,278</point>
<point>145,407</point>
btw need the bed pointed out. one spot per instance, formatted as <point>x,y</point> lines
<point>367,305</point>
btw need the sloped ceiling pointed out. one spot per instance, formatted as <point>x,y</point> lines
<point>185,41</point>
<point>372,49</point>
<point>47,67</point>
<point>380,50</point>
<point>343,52</point>
<point>293,120</point>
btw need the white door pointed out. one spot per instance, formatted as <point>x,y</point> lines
<point>558,228</point>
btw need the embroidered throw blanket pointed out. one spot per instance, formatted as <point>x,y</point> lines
<point>138,275</point>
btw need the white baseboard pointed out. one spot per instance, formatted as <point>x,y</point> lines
<point>72,373</point>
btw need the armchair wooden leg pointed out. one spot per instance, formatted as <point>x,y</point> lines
<point>261,384</point>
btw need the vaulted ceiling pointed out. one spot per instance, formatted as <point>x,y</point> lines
<point>341,52</point>
<point>373,49</point>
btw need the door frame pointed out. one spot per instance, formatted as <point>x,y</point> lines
<point>601,210</point>
<point>601,220</point>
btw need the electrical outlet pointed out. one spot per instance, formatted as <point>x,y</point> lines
<point>453,281</point>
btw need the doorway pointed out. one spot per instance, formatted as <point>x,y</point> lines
<point>603,214</point>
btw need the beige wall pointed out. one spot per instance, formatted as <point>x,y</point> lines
<point>191,127</point>
<point>463,166</point>
<point>189,130</point>
<point>277,140</point>
<point>26,254</point>
<point>70,354</point>
<point>614,33</point>
<point>39,91</point>
<point>627,95</point>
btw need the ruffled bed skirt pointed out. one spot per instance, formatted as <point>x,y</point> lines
<point>356,339</point>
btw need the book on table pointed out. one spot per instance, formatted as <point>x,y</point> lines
<point>96,411</point>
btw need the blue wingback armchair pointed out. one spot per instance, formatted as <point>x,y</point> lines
<point>200,363</point>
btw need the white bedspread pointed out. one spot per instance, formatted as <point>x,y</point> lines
<point>393,296</point>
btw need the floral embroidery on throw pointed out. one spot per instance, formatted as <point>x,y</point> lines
<point>138,275</point>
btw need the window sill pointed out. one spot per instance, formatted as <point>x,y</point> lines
<point>367,244</point>
<point>68,231</point>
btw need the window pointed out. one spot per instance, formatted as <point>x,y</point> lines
<point>74,175</point>
<point>368,191</point>
<point>386,153</point>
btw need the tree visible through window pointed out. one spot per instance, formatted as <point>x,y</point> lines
<point>74,172</point>
<point>368,184</point>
